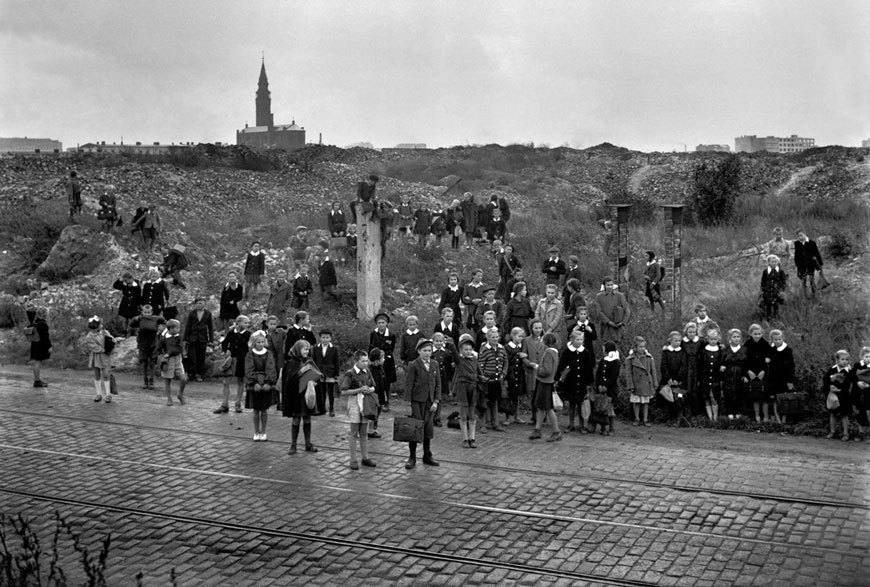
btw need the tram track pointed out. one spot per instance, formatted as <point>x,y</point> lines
<point>762,496</point>
<point>418,553</point>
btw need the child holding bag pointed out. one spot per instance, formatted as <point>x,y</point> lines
<point>607,380</point>
<point>836,386</point>
<point>640,372</point>
<point>356,383</point>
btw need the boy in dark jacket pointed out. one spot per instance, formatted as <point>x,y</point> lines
<point>148,326</point>
<point>169,349</point>
<point>130,296</point>
<point>255,267</point>
<point>325,356</point>
<point>328,279</point>
<point>554,267</point>
<point>231,295</point>
<point>302,288</point>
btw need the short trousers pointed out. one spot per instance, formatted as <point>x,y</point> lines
<point>638,399</point>
<point>172,368</point>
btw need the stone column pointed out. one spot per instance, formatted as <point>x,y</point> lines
<point>672,258</point>
<point>620,214</point>
<point>368,267</point>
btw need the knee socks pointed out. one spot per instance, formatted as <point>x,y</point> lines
<point>306,430</point>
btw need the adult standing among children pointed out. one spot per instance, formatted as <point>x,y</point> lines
<point>423,392</point>
<point>280,297</point>
<point>614,312</point>
<point>131,294</point>
<point>807,260</point>
<point>198,334</point>
<point>468,207</point>
<point>551,314</point>
<point>74,194</point>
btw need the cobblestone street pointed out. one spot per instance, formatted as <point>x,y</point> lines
<point>181,488</point>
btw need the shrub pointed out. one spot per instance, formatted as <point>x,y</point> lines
<point>716,185</point>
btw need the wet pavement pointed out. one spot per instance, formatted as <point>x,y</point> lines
<point>186,491</point>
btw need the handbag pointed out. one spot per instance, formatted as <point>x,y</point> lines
<point>108,344</point>
<point>558,404</point>
<point>223,367</point>
<point>833,402</point>
<point>791,403</point>
<point>370,406</point>
<point>311,395</point>
<point>667,393</point>
<point>31,333</point>
<point>407,430</point>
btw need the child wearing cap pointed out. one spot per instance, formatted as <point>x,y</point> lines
<point>423,391</point>
<point>464,386</point>
<point>553,267</point>
<point>489,304</point>
<point>383,339</point>
<point>441,353</point>
<point>326,358</point>
<point>255,267</point>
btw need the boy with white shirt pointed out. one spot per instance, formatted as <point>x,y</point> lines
<point>448,326</point>
<point>409,340</point>
<point>326,358</point>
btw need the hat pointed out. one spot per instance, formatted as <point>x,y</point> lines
<point>300,227</point>
<point>423,342</point>
<point>574,258</point>
<point>466,339</point>
<point>553,249</point>
<point>487,288</point>
<point>518,286</point>
<point>383,315</point>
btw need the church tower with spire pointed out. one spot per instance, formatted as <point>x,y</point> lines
<point>266,134</point>
<point>264,99</point>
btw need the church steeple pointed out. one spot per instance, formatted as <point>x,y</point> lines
<point>264,99</point>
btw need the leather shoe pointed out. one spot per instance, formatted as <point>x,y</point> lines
<point>310,448</point>
<point>369,463</point>
<point>221,410</point>
<point>431,462</point>
<point>374,434</point>
<point>410,463</point>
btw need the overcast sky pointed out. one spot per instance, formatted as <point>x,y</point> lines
<point>645,74</point>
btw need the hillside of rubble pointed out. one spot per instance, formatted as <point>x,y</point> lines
<point>216,200</point>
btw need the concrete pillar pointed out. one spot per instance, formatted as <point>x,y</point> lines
<point>620,214</point>
<point>672,258</point>
<point>369,294</point>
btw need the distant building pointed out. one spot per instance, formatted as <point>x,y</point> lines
<point>26,145</point>
<point>137,148</point>
<point>717,148</point>
<point>411,146</point>
<point>362,145</point>
<point>866,144</point>
<point>792,144</point>
<point>267,133</point>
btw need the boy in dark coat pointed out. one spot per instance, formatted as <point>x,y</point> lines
<point>423,391</point>
<point>326,358</point>
<point>328,279</point>
<point>383,339</point>
<point>255,267</point>
<point>302,288</point>
<point>496,229</point>
<point>554,267</point>
<point>198,334</point>
<point>807,259</point>
<point>231,295</point>
<point>148,326</point>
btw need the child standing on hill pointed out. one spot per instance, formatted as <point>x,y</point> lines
<point>355,383</point>
<point>483,333</point>
<point>607,380</point>
<point>640,372</point>
<point>516,376</point>
<point>255,268</point>
<point>492,358</point>
<point>231,295</point>
<point>146,341</point>
<point>572,273</point>
<point>653,274</point>
<point>302,288</point>
<point>351,243</point>
<point>518,311</point>
<point>546,373</point>
<point>451,297</point>
<point>710,367</point>
<point>448,326</point>
<point>734,373</point>
<point>464,386</point>
<point>836,385</point>
<point>757,359</point>
<point>260,379</point>
<point>773,283</point>
<point>489,304</point>
<point>472,296</point>
<point>410,338</point>
<point>328,279</point>
<point>99,344</point>
<point>553,268</point>
<point>169,349</point>
<point>576,374</point>
<point>781,371</point>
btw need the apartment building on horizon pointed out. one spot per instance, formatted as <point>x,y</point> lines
<point>792,144</point>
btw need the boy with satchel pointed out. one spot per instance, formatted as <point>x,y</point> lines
<point>423,391</point>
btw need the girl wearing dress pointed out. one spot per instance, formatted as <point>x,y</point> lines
<point>691,345</point>
<point>40,349</point>
<point>861,388</point>
<point>733,373</point>
<point>757,370</point>
<point>641,379</point>
<point>356,383</point>
<point>260,378</point>
<point>607,380</point>
<point>518,311</point>
<point>516,375</point>
<point>674,367</point>
<point>836,386</point>
<point>99,359</point>
<point>576,374</point>
<point>533,347</point>
<point>546,376</point>
<point>710,369</point>
<point>780,377</point>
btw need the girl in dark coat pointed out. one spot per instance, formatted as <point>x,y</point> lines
<point>298,370</point>
<point>691,345</point>
<point>518,311</point>
<point>734,373</point>
<point>336,221</point>
<point>576,375</point>
<point>836,385</point>
<point>40,349</point>
<point>607,380</point>
<point>710,368</point>
<point>382,338</point>
<point>469,218</point>
<point>757,359</point>
<point>773,281</point>
<point>780,378</point>
<point>155,293</point>
<point>674,369</point>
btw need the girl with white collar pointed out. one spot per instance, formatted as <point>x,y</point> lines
<point>836,386</point>
<point>260,378</point>
<point>781,371</point>
<point>640,371</point>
